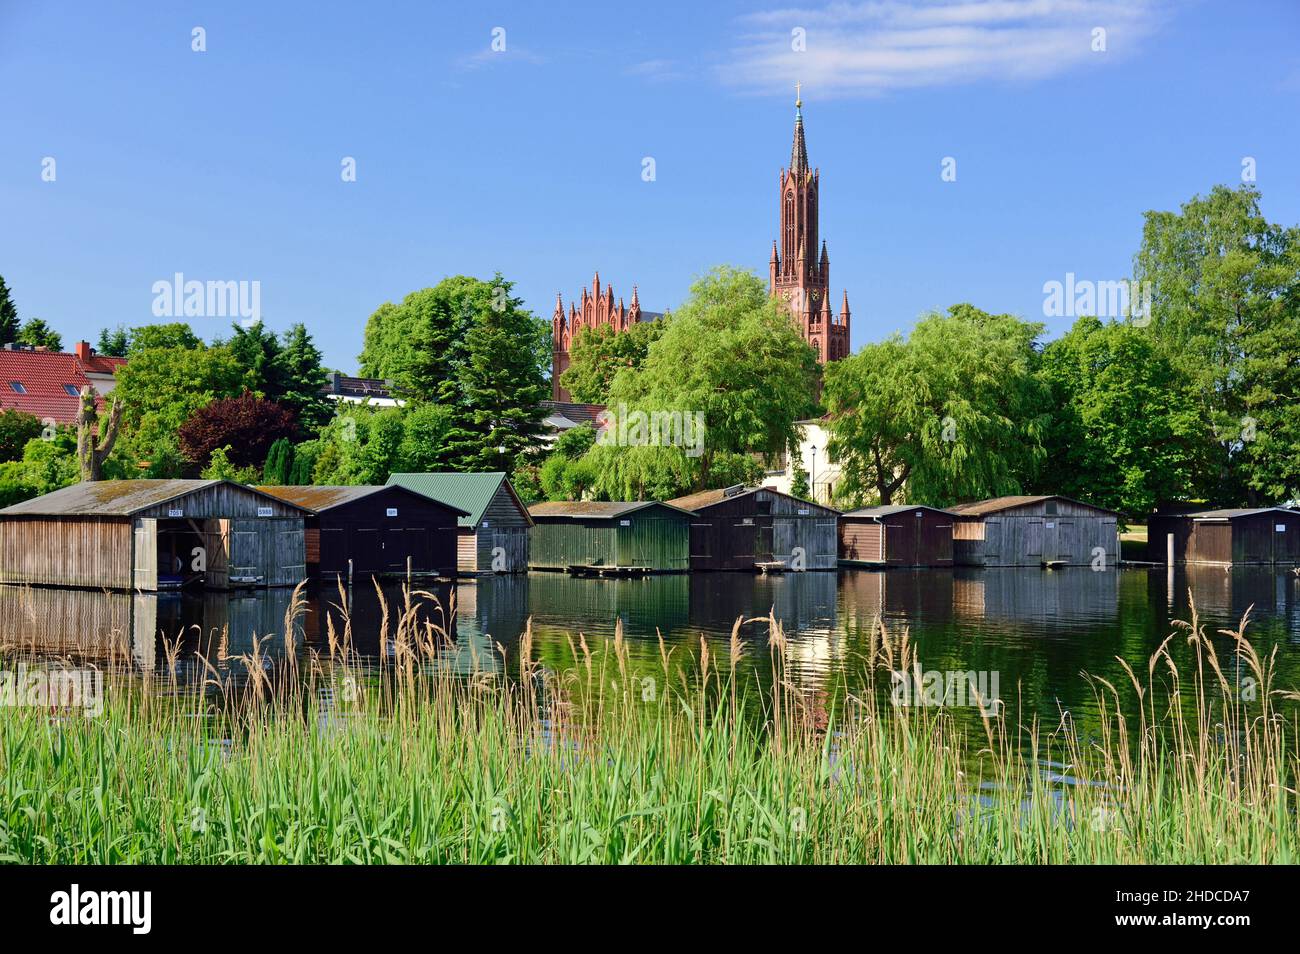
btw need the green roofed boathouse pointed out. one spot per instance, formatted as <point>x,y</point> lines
<point>639,535</point>
<point>492,537</point>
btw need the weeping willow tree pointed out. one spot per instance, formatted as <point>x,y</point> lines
<point>952,412</point>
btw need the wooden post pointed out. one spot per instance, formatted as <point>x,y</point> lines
<point>408,570</point>
<point>1169,548</point>
<point>1169,572</point>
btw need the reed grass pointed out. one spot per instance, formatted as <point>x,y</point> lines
<point>330,758</point>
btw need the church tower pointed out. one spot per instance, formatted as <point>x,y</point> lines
<point>799,273</point>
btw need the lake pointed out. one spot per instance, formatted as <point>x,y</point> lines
<point>1037,630</point>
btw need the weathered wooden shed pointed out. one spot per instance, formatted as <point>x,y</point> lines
<point>384,530</point>
<point>900,535</point>
<point>493,535</point>
<point>644,535</point>
<point>1261,535</point>
<point>738,528</point>
<point>152,534</point>
<point>1033,531</point>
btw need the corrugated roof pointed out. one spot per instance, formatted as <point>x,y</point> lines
<point>1234,513</point>
<point>320,498</point>
<point>468,492</point>
<point>577,413</point>
<point>995,504</point>
<point>707,498</point>
<point>112,498</point>
<point>886,511</point>
<point>597,509</point>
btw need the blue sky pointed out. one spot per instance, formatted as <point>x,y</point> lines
<point>225,164</point>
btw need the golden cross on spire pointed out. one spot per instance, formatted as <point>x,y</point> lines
<point>798,100</point>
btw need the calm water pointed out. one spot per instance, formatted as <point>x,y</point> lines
<point>1038,630</point>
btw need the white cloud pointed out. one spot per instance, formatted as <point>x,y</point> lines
<point>872,47</point>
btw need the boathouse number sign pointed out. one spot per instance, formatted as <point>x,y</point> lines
<point>175,512</point>
<point>264,511</point>
<point>392,511</point>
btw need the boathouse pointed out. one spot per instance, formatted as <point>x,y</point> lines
<point>1034,531</point>
<point>492,537</point>
<point>643,536</point>
<point>384,530</point>
<point>900,535</point>
<point>1267,535</point>
<point>153,534</point>
<point>751,528</point>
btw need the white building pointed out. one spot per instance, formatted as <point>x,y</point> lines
<point>823,473</point>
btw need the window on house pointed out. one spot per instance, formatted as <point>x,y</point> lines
<point>18,387</point>
<point>71,389</point>
<point>1050,508</point>
<point>764,507</point>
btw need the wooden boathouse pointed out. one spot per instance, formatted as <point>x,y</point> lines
<point>900,535</point>
<point>153,534</point>
<point>492,537</point>
<point>1034,531</point>
<point>609,537</point>
<point>1261,535</point>
<point>376,530</point>
<point>740,528</point>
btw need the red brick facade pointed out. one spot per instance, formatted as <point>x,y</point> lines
<point>797,273</point>
<point>595,309</point>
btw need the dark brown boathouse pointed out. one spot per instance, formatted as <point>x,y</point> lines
<point>1034,531</point>
<point>152,534</point>
<point>902,535</point>
<point>739,528</point>
<point>384,530</point>
<point>1267,535</point>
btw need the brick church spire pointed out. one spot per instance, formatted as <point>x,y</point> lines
<point>797,274</point>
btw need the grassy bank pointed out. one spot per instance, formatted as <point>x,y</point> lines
<point>324,759</point>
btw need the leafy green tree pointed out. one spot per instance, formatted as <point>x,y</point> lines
<point>467,345</point>
<point>1225,311</point>
<point>221,467</point>
<point>303,377</point>
<point>279,463</point>
<point>565,474</point>
<point>732,356</point>
<point>799,485</point>
<point>38,334</point>
<point>175,334</point>
<point>160,387</point>
<point>114,343</point>
<point>953,412</point>
<point>360,446</point>
<point>8,315</point>
<point>425,429</point>
<point>1126,432</point>
<point>45,466</point>
<point>597,354</point>
<point>16,429</point>
<point>304,462</point>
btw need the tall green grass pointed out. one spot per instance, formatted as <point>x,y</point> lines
<point>327,758</point>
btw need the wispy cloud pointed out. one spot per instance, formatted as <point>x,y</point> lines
<point>656,70</point>
<point>872,47</point>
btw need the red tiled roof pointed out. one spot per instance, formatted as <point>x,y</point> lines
<point>42,375</point>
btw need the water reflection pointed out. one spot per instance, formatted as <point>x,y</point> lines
<point>1038,629</point>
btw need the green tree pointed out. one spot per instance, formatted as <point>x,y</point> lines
<point>221,467</point>
<point>469,346</point>
<point>597,354</point>
<point>279,463</point>
<point>46,465</point>
<point>160,387</point>
<point>1224,285</point>
<point>953,412</point>
<point>303,376</point>
<point>114,343</point>
<point>8,315</point>
<point>38,334</point>
<point>16,429</point>
<point>730,355</point>
<point>176,334</point>
<point>1126,432</point>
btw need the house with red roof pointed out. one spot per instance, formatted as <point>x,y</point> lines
<point>47,384</point>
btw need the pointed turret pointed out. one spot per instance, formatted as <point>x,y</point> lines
<point>799,151</point>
